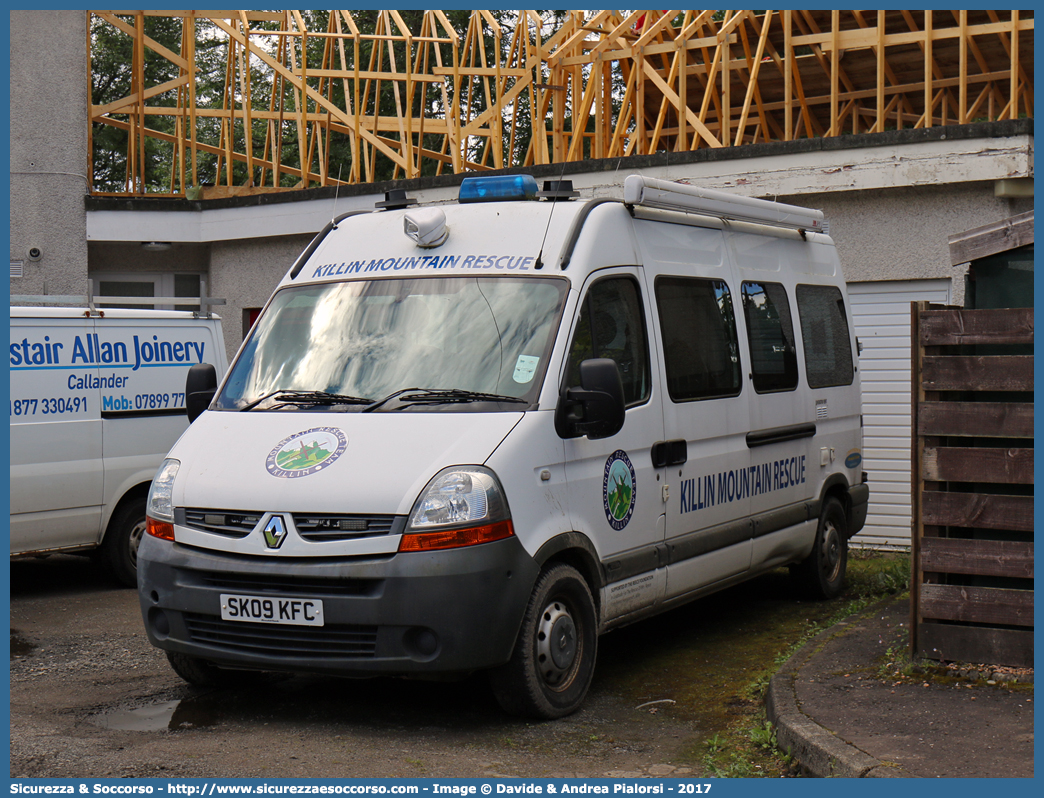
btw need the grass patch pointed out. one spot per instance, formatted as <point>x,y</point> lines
<point>746,747</point>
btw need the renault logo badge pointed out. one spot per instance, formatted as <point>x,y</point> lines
<point>275,532</point>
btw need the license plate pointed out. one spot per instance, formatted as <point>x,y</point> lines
<point>272,609</point>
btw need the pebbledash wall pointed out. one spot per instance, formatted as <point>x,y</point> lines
<point>892,200</point>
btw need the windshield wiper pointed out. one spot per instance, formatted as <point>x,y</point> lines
<point>301,398</point>
<point>439,396</point>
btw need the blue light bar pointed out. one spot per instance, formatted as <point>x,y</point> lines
<point>497,188</point>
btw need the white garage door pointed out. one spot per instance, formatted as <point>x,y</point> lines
<point>882,324</point>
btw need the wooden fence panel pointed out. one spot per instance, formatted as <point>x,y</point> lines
<point>980,557</point>
<point>978,373</point>
<point>976,419</point>
<point>962,327</point>
<point>977,510</point>
<point>970,464</point>
<point>972,591</point>
<point>992,605</point>
<point>977,644</point>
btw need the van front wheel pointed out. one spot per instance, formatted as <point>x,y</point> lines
<point>203,673</point>
<point>552,665</point>
<point>821,575</point>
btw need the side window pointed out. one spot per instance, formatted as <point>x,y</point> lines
<point>773,356</point>
<point>824,333</point>
<point>698,325</point>
<point>612,325</point>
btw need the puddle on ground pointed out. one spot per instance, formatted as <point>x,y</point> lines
<point>189,713</point>
<point>20,647</point>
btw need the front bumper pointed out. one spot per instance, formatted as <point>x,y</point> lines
<point>406,614</point>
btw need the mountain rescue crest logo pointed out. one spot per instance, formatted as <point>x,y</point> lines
<point>618,489</point>
<point>306,452</point>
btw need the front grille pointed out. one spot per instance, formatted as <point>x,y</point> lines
<point>319,528</point>
<point>313,527</point>
<point>326,642</point>
<point>261,584</point>
<point>234,524</point>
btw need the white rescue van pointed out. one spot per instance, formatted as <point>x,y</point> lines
<point>97,399</point>
<point>479,435</point>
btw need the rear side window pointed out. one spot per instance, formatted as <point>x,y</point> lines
<point>701,356</point>
<point>824,333</point>
<point>612,325</point>
<point>773,356</point>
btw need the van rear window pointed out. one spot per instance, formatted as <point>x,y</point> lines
<point>824,334</point>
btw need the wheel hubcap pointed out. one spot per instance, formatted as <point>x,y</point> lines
<point>135,541</point>
<point>557,644</point>
<point>831,552</point>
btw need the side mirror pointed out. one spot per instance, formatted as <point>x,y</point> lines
<point>596,408</point>
<point>200,387</point>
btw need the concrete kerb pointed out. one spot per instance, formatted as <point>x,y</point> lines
<point>819,750</point>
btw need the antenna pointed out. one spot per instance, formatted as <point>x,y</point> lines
<point>540,255</point>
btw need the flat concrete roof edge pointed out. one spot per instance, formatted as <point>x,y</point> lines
<point>1004,129</point>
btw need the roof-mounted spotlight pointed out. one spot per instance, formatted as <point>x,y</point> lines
<point>426,226</point>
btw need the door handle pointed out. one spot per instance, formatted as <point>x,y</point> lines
<point>668,453</point>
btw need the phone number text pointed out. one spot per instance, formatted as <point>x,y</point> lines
<point>48,407</point>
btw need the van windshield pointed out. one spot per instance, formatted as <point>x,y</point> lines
<point>428,343</point>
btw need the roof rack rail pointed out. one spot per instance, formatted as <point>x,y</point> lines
<point>92,301</point>
<point>648,192</point>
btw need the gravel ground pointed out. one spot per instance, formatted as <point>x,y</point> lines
<point>90,698</point>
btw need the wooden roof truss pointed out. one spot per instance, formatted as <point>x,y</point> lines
<point>594,85</point>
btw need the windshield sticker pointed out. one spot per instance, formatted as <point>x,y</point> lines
<point>525,368</point>
<point>618,489</point>
<point>416,262</point>
<point>306,452</point>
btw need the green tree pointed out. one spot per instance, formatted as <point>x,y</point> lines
<point>111,80</point>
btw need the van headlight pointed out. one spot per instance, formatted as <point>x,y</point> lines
<point>159,510</point>
<point>461,506</point>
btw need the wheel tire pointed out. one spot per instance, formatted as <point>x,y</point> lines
<point>821,575</point>
<point>204,673</point>
<point>122,538</point>
<point>552,665</point>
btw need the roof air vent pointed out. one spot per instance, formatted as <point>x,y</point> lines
<point>558,190</point>
<point>395,199</point>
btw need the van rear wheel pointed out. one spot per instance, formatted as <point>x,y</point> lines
<point>122,538</point>
<point>552,665</point>
<point>821,575</point>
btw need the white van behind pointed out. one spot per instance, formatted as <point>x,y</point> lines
<point>97,398</point>
<point>480,434</point>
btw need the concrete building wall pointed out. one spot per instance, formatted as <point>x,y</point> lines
<point>128,256</point>
<point>901,233</point>
<point>244,274</point>
<point>48,123</point>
